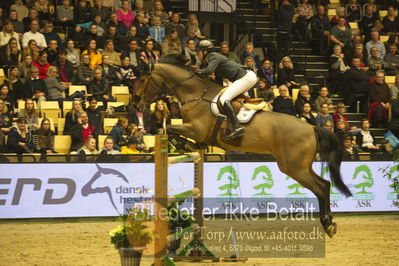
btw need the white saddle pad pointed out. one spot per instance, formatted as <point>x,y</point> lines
<point>244,115</point>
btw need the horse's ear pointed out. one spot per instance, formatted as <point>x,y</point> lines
<point>98,167</point>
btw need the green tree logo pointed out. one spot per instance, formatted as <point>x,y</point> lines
<point>266,176</point>
<point>295,186</point>
<point>393,173</point>
<point>232,176</point>
<point>363,173</point>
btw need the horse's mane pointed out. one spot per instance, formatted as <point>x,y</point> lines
<point>176,60</point>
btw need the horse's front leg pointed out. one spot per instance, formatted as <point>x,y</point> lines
<point>185,130</point>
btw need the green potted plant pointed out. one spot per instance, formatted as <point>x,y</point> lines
<point>132,236</point>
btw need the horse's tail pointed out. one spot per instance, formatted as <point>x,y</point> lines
<point>331,150</point>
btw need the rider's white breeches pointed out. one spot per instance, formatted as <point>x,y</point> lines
<point>239,86</point>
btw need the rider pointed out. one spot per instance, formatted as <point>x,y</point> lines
<point>242,79</point>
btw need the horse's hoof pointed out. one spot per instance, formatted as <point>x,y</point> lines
<point>331,230</point>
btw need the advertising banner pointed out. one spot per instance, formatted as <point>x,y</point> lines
<point>84,190</point>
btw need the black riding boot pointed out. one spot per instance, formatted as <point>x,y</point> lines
<point>237,130</point>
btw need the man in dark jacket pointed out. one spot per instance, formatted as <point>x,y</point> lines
<point>81,131</point>
<point>284,27</point>
<point>94,115</point>
<point>320,28</point>
<point>99,87</point>
<point>367,22</point>
<point>379,95</point>
<point>357,85</point>
<point>65,69</point>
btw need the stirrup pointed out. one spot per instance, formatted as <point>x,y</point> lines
<point>238,132</point>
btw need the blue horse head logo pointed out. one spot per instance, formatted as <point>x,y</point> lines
<point>101,182</point>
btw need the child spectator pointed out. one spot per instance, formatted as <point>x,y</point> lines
<point>43,138</point>
<point>307,115</point>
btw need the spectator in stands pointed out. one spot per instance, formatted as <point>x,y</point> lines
<point>304,96</point>
<point>100,10</point>
<point>94,55</point>
<point>109,72</point>
<point>283,103</point>
<point>340,13</point>
<point>108,148</point>
<point>341,34</point>
<point>109,50</point>
<point>375,42</point>
<point>30,114</point>
<point>82,12</point>
<point>85,37</point>
<point>56,91</point>
<point>42,64</point>
<point>341,129</point>
<point>5,121</point>
<point>190,52</point>
<point>141,27</point>
<point>133,52</point>
<point>36,87</point>
<point>17,88</point>
<point>84,73</point>
<point>8,33</point>
<point>392,60</point>
<point>113,35</point>
<point>10,54</point>
<point>148,56</point>
<point>50,35</point>
<point>320,28</point>
<point>286,73</point>
<point>322,99</point>
<point>249,63</point>
<point>89,147</point>
<point>81,131</point>
<point>225,50</point>
<point>31,50</point>
<point>193,23</point>
<point>176,25</point>
<point>191,34</point>
<point>323,116</point>
<point>20,9</point>
<point>374,61</point>
<point>131,147</point>
<point>157,32</point>
<point>52,51</point>
<point>350,152</point>
<point>119,25</point>
<point>339,115</point>
<point>33,15</point>
<point>139,7</point>
<point>265,91</point>
<point>361,55</point>
<point>160,116</point>
<point>338,66</point>
<point>140,115</point>
<point>284,28</point>
<point>305,13</point>
<point>371,4</point>
<point>366,139</point>
<point>19,139</point>
<point>72,54</point>
<point>99,87</point>
<point>395,88</point>
<point>367,22</point>
<point>7,98</point>
<point>42,7</point>
<point>357,85</point>
<point>94,114</point>
<point>65,14</point>
<point>307,115</point>
<point>34,34</point>
<point>249,51</point>
<point>158,11</point>
<point>17,25</point>
<point>127,74</point>
<point>125,14</point>
<point>135,131</point>
<point>391,22</point>
<point>393,124</point>
<point>380,96</point>
<point>43,138</point>
<point>118,131</point>
<point>171,44</point>
<point>266,72</point>
<point>25,68</point>
<point>353,11</point>
<point>71,117</point>
<point>65,69</point>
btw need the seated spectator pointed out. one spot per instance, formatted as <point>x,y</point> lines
<point>379,95</point>
<point>329,125</point>
<point>34,34</point>
<point>375,42</point>
<point>307,115</point>
<point>65,69</point>
<point>249,51</point>
<point>55,90</point>
<point>140,115</point>
<point>157,32</point>
<point>133,52</point>
<point>94,114</point>
<point>320,28</point>
<point>127,74</point>
<point>82,12</point>
<point>367,22</point>
<point>395,88</point>
<point>30,114</point>
<point>323,99</point>
<point>369,3</point>
<point>120,27</point>
<point>338,66</point>
<point>341,34</point>
<point>113,35</point>
<point>16,24</point>
<point>89,147</point>
<point>339,13</point>
<point>118,131</point>
<point>158,11</point>
<point>94,55</point>
<point>64,14</point>
<point>191,33</point>
<point>193,23</point>
<point>286,73</point>
<point>84,73</point>
<point>52,51</point>
<point>366,139</point>
<point>99,87</point>
<point>71,117</point>
<point>131,147</point>
<point>109,72</point>
<point>339,114</point>
<point>139,7</point>
<point>135,131</point>
<point>353,11</point>
<point>305,13</point>
<point>108,148</point>
<point>25,68</point>
<point>148,56</point>
<point>84,37</point>
<point>176,25</point>
<point>341,129</point>
<point>171,44</point>
<point>31,50</point>
<point>392,60</point>
<point>266,72</point>
<point>81,131</point>
<point>359,52</point>
<point>19,139</point>
<point>283,103</point>
<point>109,50</point>
<point>42,7</point>
<point>374,61</point>
<point>249,63</point>
<point>43,138</point>
<point>17,88</point>
<point>390,22</point>
<point>99,10</point>
<point>190,52</point>
<point>7,98</point>
<point>304,96</point>
<point>5,121</point>
<point>36,87</point>
<point>32,15</point>
<point>7,33</point>
<point>323,116</point>
<point>350,152</point>
<point>141,27</point>
<point>50,35</point>
<point>265,91</point>
<point>72,54</point>
<point>20,9</point>
<point>42,64</point>
<point>125,14</point>
<point>225,50</point>
<point>160,116</point>
<point>10,55</point>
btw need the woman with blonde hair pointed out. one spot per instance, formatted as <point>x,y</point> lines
<point>31,49</point>
<point>25,68</point>
<point>109,50</point>
<point>193,22</point>
<point>10,54</point>
<point>286,73</point>
<point>158,11</point>
<point>89,147</point>
<point>54,88</point>
<point>5,121</point>
<point>7,33</point>
<point>160,116</point>
<point>31,115</point>
<point>71,117</point>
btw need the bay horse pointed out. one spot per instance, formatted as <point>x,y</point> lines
<point>292,142</point>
